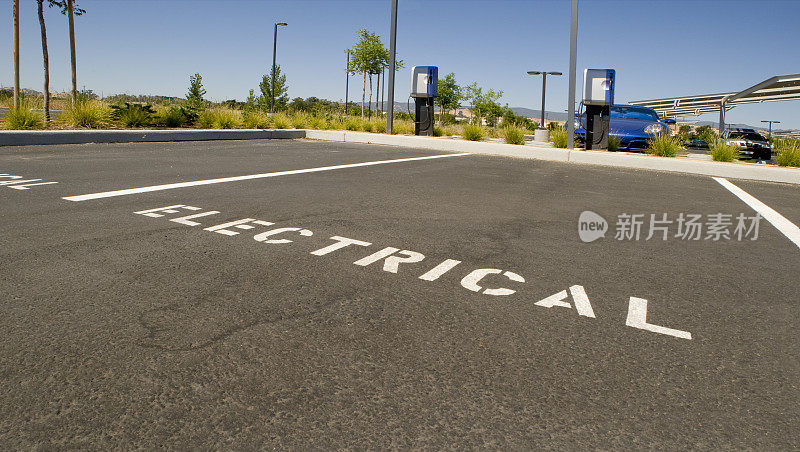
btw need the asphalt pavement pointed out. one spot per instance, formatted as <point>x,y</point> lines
<point>299,294</point>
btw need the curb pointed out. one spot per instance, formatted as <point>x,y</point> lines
<point>50,137</point>
<point>734,170</point>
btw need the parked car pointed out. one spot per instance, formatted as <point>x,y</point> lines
<point>751,144</point>
<point>697,144</point>
<point>633,125</point>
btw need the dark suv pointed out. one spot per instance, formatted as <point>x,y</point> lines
<point>751,144</point>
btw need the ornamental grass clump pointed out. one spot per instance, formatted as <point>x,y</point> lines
<point>558,138</point>
<point>256,120</point>
<point>663,145</point>
<point>281,121</point>
<point>613,143</point>
<point>721,152</point>
<point>22,117</point>
<point>474,132</point>
<point>90,114</point>
<point>513,135</point>
<point>787,152</point>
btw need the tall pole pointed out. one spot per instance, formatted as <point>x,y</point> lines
<point>274,50</point>
<point>573,51</point>
<point>392,66</point>
<point>16,53</point>
<point>383,88</point>
<point>347,82</point>
<point>544,81</point>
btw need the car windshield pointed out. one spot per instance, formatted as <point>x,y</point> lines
<point>628,112</point>
<point>746,136</point>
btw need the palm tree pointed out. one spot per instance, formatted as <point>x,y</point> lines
<point>46,60</point>
<point>16,53</point>
<point>72,52</point>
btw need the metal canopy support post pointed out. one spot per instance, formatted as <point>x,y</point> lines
<point>573,50</point>
<point>721,117</point>
<point>392,64</point>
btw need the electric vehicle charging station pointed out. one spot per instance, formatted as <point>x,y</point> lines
<point>598,97</point>
<point>424,88</point>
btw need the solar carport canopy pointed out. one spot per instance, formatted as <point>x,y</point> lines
<point>780,87</point>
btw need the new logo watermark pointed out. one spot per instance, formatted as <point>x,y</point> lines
<point>691,226</point>
<point>591,226</point>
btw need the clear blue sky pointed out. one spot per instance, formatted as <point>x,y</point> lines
<point>659,48</point>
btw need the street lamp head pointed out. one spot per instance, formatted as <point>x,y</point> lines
<point>554,73</point>
<point>534,72</point>
<point>283,24</point>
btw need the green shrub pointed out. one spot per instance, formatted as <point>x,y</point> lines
<point>172,117</point>
<point>787,152</point>
<point>336,124</point>
<point>438,131</point>
<point>380,127</point>
<point>300,120</point>
<point>474,132</point>
<point>403,127</point>
<point>613,143</point>
<point>722,152</point>
<point>558,138</point>
<point>318,123</point>
<point>281,121</point>
<point>206,119</point>
<point>452,130</point>
<point>86,113</point>
<point>22,117</point>
<point>133,115</point>
<point>663,145</point>
<point>513,135</point>
<point>352,124</point>
<point>255,120</point>
<point>366,126</point>
<point>226,118</point>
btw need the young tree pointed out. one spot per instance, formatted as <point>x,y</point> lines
<point>194,97</point>
<point>484,104</point>
<point>15,14</point>
<point>369,57</point>
<point>450,95</point>
<point>281,91</point>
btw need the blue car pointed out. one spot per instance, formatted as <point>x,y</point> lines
<point>634,126</point>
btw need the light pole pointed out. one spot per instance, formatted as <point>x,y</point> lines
<point>544,82</point>
<point>770,127</point>
<point>347,81</point>
<point>392,65</point>
<point>274,51</point>
<point>573,54</point>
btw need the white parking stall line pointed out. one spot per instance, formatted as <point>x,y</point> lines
<point>131,191</point>
<point>787,228</point>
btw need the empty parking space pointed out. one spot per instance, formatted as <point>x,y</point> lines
<point>424,302</point>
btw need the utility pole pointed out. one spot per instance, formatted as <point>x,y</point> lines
<point>573,51</point>
<point>392,66</point>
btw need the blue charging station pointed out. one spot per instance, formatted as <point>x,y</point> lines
<point>424,88</point>
<point>598,97</point>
